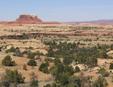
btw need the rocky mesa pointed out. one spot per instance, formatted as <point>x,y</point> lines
<point>28,19</point>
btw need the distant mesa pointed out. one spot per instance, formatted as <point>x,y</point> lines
<point>31,19</point>
<point>28,19</point>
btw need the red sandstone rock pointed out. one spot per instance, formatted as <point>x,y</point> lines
<point>28,19</point>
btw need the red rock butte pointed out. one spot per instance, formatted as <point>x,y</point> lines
<point>28,19</point>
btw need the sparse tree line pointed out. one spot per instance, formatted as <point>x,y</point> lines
<point>64,55</point>
<point>32,56</point>
<point>13,78</point>
<point>70,52</point>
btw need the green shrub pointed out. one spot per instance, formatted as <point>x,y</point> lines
<point>7,61</point>
<point>34,83</point>
<point>44,67</point>
<point>100,82</point>
<point>12,49</point>
<point>67,61</point>
<point>32,62</point>
<point>111,66</point>
<point>30,54</point>
<point>77,69</point>
<point>18,52</point>
<point>47,85</point>
<point>103,72</point>
<point>13,76</point>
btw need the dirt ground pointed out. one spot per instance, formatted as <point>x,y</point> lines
<point>86,38</point>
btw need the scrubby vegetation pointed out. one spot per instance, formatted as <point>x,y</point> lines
<point>7,61</point>
<point>66,54</point>
<point>71,52</point>
<point>77,60</point>
<point>34,81</point>
<point>44,67</point>
<point>12,77</point>
<point>111,66</point>
<point>32,62</point>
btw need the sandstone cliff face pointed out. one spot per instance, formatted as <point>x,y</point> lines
<point>28,19</point>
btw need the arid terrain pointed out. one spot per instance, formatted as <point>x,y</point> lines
<point>29,38</point>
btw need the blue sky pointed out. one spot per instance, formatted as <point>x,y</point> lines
<point>58,10</point>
